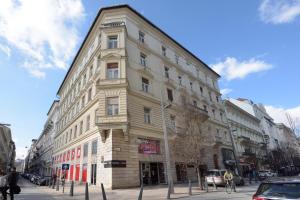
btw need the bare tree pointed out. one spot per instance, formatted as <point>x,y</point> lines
<point>292,124</point>
<point>192,137</point>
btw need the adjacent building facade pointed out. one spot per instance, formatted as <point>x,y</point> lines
<point>109,127</point>
<point>7,148</point>
<point>247,134</point>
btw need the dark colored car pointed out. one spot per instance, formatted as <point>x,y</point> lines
<point>284,188</point>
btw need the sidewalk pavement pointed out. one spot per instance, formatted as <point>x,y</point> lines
<point>149,192</point>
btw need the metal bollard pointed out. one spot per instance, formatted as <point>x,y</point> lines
<point>72,189</point>
<point>169,191</point>
<point>141,192</point>
<point>190,187</point>
<point>87,191</point>
<point>63,186</point>
<point>103,192</point>
<point>206,185</point>
<point>57,185</point>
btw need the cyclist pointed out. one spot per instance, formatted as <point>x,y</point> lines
<point>228,177</point>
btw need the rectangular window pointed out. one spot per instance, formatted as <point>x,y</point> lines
<point>75,132</point>
<point>112,106</point>
<point>94,147</point>
<point>217,98</point>
<point>85,149</point>
<point>214,113</point>
<point>172,120</point>
<point>112,70</point>
<point>82,101</point>
<point>84,79</point>
<point>113,42</point>
<point>67,134</point>
<point>141,37</point>
<point>176,58</point>
<point>221,116</point>
<point>81,128</point>
<point>167,72</point>
<point>91,71</point>
<point>70,134</point>
<point>145,85</point>
<point>163,51</point>
<point>201,90</point>
<point>143,59</point>
<point>191,85</point>
<point>195,103</point>
<point>205,107</point>
<point>147,115</point>
<point>180,80</point>
<point>88,119</point>
<point>170,94</point>
<point>209,93</point>
<point>90,94</point>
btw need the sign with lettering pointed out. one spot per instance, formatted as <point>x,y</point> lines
<point>147,146</point>
<point>65,166</point>
<point>114,163</point>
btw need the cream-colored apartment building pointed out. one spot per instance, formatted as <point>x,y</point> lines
<point>110,120</point>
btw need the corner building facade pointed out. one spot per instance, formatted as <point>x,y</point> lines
<point>110,120</point>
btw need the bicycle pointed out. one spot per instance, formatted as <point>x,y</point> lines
<point>228,186</point>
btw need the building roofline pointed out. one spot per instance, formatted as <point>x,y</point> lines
<point>145,19</point>
<point>241,109</point>
<point>55,101</point>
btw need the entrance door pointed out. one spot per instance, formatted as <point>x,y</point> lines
<point>154,173</point>
<point>84,172</point>
<point>71,172</point>
<point>93,174</point>
<point>77,172</point>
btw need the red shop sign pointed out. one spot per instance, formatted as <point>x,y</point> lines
<point>147,146</point>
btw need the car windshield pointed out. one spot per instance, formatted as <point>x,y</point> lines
<point>286,190</point>
<point>213,173</point>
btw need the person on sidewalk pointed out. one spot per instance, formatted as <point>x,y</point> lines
<point>228,177</point>
<point>3,185</point>
<point>12,180</point>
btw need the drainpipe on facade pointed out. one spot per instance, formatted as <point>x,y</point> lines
<point>169,174</point>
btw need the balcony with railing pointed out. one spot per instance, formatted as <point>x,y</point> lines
<point>198,113</point>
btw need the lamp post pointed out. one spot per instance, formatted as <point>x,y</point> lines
<point>234,148</point>
<point>167,153</point>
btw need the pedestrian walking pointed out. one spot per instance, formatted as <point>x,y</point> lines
<point>3,185</point>
<point>12,180</point>
<point>250,175</point>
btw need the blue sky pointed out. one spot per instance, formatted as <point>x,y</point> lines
<point>254,45</point>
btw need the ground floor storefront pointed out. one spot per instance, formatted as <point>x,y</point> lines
<point>118,162</point>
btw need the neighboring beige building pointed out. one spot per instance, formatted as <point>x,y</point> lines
<point>7,148</point>
<point>110,122</point>
<point>247,135</point>
<point>41,163</point>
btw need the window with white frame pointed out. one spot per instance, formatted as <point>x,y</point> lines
<point>167,72</point>
<point>147,115</point>
<point>201,91</point>
<point>176,59</point>
<point>145,84</point>
<point>90,94</point>
<point>112,106</point>
<point>81,127</point>
<point>88,119</point>
<point>75,132</point>
<point>143,59</point>
<point>94,147</point>
<point>112,71</point>
<point>195,103</point>
<point>163,51</point>
<point>112,41</point>
<point>141,37</point>
<point>91,71</point>
<point>191,85</point>
<point>85,149</point>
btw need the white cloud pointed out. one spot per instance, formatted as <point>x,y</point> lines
<point>225,91</point>
<point>5,49</point>
<point>279,114</point>
<point>279,11</point>
<point>231,68</point>
<point>45,32</point>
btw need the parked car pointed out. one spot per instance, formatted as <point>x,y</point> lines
<point>217,176</point>
<point>284,188</point>
<point>263,174</point>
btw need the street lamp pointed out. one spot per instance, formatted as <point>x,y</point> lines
<point>169,174</point>
<point>234,148</point>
